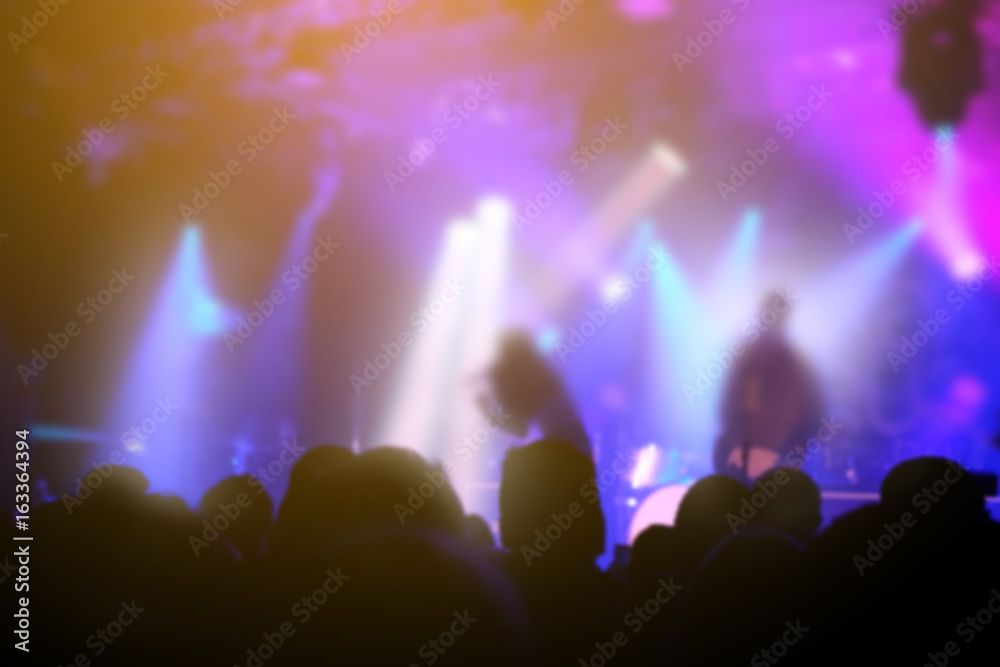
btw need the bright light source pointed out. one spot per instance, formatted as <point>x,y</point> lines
<point>613,289</point>
<point>967,266</point>
<point>645,467</point>
<point>461,233</point>
<point>670,158</point>
<point>547,339</point>
<point>493,210</point>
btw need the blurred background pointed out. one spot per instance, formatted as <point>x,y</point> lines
<point>229,227</point>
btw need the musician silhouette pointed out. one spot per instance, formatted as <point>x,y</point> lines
<point>524,385</point>
<point>771,402</point>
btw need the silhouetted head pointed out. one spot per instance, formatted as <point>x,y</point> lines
<point>107,491</point>
<point>547,478</point>
<point>244,508</point>
<point>654,550</point>
<point>310,467</point>
<point>931,485</point>
<point>521,377</point>
<point>387,487</point>
<point>744,591</point>
<point>702,516</point>
<point>315,462</point>
<point>795,507</point>
<point>298,513</point>
<point>775,311</point>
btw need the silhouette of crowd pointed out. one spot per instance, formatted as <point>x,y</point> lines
<point>352,568</point>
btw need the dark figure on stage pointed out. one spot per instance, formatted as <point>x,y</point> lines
<point>771,402</point>
<point>524,386</point>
